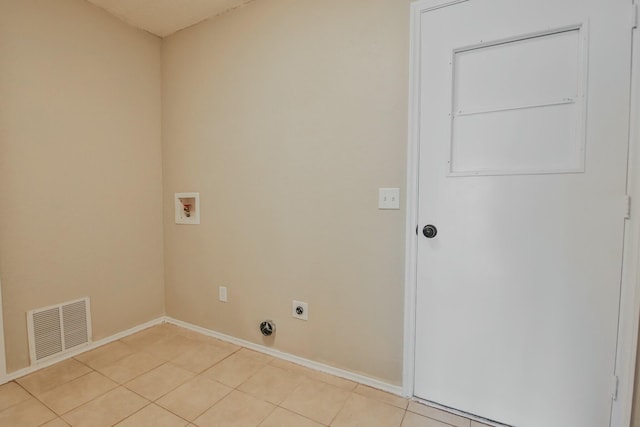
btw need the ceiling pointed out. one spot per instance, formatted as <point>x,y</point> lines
<point>165,17</point>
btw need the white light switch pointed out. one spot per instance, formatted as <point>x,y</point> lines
<point>389,198</point>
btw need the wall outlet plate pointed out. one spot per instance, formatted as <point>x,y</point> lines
<point>222,293</point>
<point>300,310</point>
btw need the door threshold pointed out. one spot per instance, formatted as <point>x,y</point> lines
<point>454,411</point>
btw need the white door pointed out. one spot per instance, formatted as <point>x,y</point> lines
<point>523,131</point>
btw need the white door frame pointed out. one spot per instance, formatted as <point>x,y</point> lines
<point>3,362</point>
<point>630,288</point>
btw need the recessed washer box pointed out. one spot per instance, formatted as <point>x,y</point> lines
<point>187,208</point>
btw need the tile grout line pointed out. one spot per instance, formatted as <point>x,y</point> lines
<point>341,408</point>
<point>132,414</point>
<point>68,382</point>
<point>61,416</point>
<point>153,402</point>
<point>24,400</point>
<point>195,375</point>
<point>31,396</point>
<point>404,415</point>
<point>278,405</point>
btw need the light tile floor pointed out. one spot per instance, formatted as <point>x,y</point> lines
<point>167,376</point>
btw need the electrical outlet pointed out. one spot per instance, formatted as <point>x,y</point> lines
<point>300,310</point>
<point>222,293</point>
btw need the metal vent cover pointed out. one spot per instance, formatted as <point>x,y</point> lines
<point>57,329</point>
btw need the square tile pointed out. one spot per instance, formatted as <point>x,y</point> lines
<point>194,397</point>
<point>11,394</point>
<point>107,409</point>
<point>415,420</point>
<point>58,422</point>
<point>342,383</point>
<point>146,337</point>
<point>361,411</point>
<point>179,330</point>
<point>201,337</point>
<point>77,392</point>
<point>316,400</point>
<point>283,418</point>
<point>271,384</point>
<point>237,368</point>
<point>236,410</point>
<point>49,378</point>
<point>224,344</point>
<point>203,357</point>
<point>439,415</point>
<point>159,381</point>
<point>382,396</point>
<point>130,367</point>
<point>153,416</point>
<point>105,355</point>
<point>315,375</point>
<point>171,347</point>
<point>27,413</point>
<point>290,366</point>
<point>255,355</point>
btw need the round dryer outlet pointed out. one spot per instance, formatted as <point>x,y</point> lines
<point>300,310</point>
<point>267,328</point>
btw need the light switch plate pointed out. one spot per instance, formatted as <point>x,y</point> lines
<point>389,198</point>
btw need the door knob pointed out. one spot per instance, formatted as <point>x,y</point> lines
<point>429,231</point>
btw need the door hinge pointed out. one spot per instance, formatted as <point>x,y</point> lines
<point>627,207</point>
<point>634,16</point>
<point>614,388</point>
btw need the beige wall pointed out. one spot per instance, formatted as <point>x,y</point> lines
<point>80,167</point>
<point>287,116</point>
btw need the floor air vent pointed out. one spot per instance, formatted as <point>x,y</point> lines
<point>59,328</point>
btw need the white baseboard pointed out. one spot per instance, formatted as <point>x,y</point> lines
<point>358,378</point>
<point>92,345</point>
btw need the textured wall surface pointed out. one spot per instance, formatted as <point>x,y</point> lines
<point>287,116</point>
<point>80,167</point>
